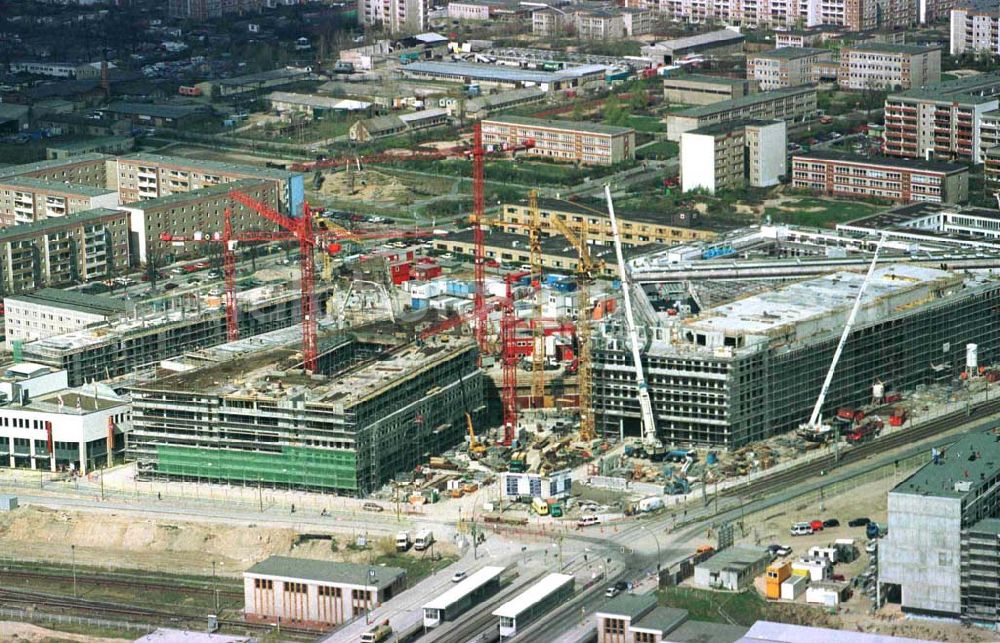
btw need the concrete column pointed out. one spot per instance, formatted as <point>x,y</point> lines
<point>10,446</point>
<point>31,453</point>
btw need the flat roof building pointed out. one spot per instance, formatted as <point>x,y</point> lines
<point>877,65</point>
<point>733,569</point>
<point>25,200</point>
<point>100,145</point>
<point>84,169</point>
<point>699,89</point>
<point>316,593</point>
<point>587,143</point>
<point>503,76</point>
<point>639,617</point>
<point>902,181</point>
<point>49,311</point>
<point>794,105</point>
<point>716,43</point>
<point>784,67</point>
<point>943,531</point>
<point>733,155</point>
<point>932,223</point>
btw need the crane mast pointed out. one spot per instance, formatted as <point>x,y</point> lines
<point>814,426</point>
<point>645,403</point>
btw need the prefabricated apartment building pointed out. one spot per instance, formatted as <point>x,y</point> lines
<point>752,368</point>
<point>257,418</point>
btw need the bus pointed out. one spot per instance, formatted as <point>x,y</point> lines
<point>540,506</point>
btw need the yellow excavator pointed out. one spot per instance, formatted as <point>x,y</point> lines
<point>476,448</point>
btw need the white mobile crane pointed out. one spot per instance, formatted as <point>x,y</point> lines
<point>814,429</point>
<point>650,442</point>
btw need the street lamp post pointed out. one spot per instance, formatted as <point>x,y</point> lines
<point>72,549</point>
<point>657,541</point>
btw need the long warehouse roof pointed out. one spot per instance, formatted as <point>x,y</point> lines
<point>533,595</point>
<point>466,587</point>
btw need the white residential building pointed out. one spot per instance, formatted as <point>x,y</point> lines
<point>49,311</point>
<point>395,16</point>
<point>731,156</point>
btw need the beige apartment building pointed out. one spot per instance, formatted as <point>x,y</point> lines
<point>23,199</point>
<point>879,66</point>
<point>785,67</point>
<point>587,143</point>
<point>794,105</point>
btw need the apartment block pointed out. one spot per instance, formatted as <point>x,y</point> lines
<point>151,176</point>
<point>24,200</point>
<point>975,27</point>
<point>50,311</point>
<point>598,24</point>
<point>854,15</point>
<point>64,250</point>
<point>731,156</point>
<point>794,105</point>
<point>587,143</point>
<point>187,214</point>
<point>902,181</point>
<point>85,169</point>
<point>941,121</point>
<point>395,16</point>
<point>550,23</point>
<point>637,228</point>
<point>699,89</point>
<point>991,168</point>
<point>941,549</point>
<point>880,66</point>
<point>784,67</point>
<point>202,10</point>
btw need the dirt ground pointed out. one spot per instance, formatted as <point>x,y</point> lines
<point>111,540</point>
<point>27,633</point>
<point>367,185</point>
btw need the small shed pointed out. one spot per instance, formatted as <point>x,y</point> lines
<point>733,569</point>
<point>792,588</point>
<point>8,503</point>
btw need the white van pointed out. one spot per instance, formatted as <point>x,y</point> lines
<point>588,521</point>
<point>802,529</point>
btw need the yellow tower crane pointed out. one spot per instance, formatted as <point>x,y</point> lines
<point>586,271</point>
<point>538,328</point>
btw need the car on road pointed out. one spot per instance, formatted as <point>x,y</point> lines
<point>458,577</point>
<point>177,271</point>
<point>831,522</point>
<point>169,285</point>
<point>858,522</point>
<point>621,586</point>
<point>611,592</point>
<point>801,529</point>
<point>373,506</point>
<point>194,280</point>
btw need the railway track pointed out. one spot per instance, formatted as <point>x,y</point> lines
<point>87,579</point>
<point>827,463</point>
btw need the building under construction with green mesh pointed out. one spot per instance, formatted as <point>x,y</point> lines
<point>254,416</point>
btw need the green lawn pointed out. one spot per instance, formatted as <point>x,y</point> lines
<point>745,608</point>
<point>661,150</point>
<point>811,211</point>
<point>646,124</point>
<point>417,566</point>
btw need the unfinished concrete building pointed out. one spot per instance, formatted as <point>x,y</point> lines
<point>373,410</point>
<point>128,346</point>
<point>742,371</point>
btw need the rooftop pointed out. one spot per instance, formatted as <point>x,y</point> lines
<point>968,90</point>
<point>196,195</point>
<point>35,228</point>
<point>42,166</point>
<point>219,166</point>
<point>325,571</point>
<point>158,110</point>
<point>25,370</point>
<point>464,588</point>
<point>84,400</point>
<point>56,187</point>
<point>705,632</point>
<point>289,73</point>
<point>889,48</point>
<point>631,605</point>
<point>529,597</point>
<point>578,126</point>
<point>987,526</point>
<point>730,126</point>
<point>790,53</point>
<point>884,161</point>
<point>90,143</point>
<point>744,101</point>
<point>487,72</point>
<point>770,632</point>
<point>661,619</point>
<point>719,36</point>
<point>322,102</point>
<point>965,467</point>
<point>74,300</point>
<point>739,556</point>
<point>931,221</point>
<point>705,78</point>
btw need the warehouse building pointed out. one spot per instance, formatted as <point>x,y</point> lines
<point>488,76</point>
<point>941,549</point>
<point>370,412</point>
<point>132,345</point>
<point>24,200</point>
<point>902,181</point>
<point>636,228</point>
<point>742,371</point>
<point>587,143</point>
<point>150,176</point>
<point>699,89</point>
<point>312,106</point>
<point>301,592</point>
<point>49,311</point>
<point>46,425</point>
<point>100,145</point>
<point>723,42</point>
<point>64,250</point>
<point>733,155</point>
<point>794,105</point>
<point>483,106</point>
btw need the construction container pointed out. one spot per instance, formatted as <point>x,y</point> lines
<point>792,588</point>
<point>776,575</point>
<point>815,568</point>
<point>8,503</point>
<point>822,596</point>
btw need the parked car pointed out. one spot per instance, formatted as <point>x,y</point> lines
<point>373,506</point>
<point>802,529</point>
<point>169,285</point>
<point>839,577</point>
<point>784,550</point>
<point>458,577</point>
<point>817,525</point>
<point>621,586</point>
<point>611,592</point>
<point>831,522</point>
<point>858,522</point>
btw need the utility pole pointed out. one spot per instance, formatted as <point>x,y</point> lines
<point>72,549</point>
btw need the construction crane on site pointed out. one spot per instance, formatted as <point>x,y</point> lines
<point>814,428</point>
<point>649,437</point>
<point>586,271</point>
<point>508,360</point>
<point>538,328</point>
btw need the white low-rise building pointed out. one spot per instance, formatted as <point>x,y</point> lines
<point>49,312</point>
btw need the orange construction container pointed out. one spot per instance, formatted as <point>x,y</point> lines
<point>776,575</point>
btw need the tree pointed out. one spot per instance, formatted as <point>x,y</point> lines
<point>637,100</point>
<point>577,114</point>
<point>613,112</point>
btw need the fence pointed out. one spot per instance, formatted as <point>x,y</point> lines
<point>34,616</point>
